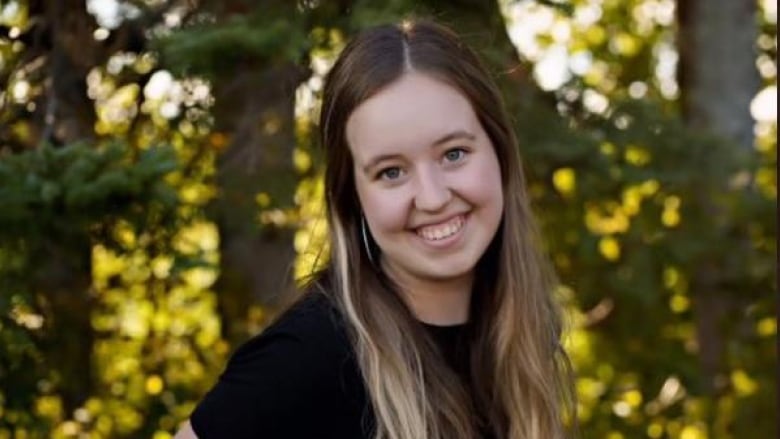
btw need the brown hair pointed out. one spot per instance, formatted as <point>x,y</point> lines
<point>518,370</point>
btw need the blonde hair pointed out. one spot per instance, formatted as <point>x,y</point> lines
<point>519,373</point>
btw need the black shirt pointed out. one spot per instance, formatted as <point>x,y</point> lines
<point>298,379</point>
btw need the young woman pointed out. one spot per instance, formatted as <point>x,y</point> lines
<point>434,317</point>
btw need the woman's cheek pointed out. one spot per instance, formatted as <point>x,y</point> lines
<point>386,210</point>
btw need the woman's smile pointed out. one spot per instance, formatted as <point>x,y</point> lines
<point>443,234</point>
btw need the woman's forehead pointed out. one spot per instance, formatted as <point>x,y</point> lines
<point>412,112</point>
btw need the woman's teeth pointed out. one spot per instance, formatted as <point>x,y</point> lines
<point>441,231</point>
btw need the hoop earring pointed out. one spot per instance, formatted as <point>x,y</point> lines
<point>364,233</point>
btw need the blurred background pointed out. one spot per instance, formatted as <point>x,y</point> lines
<point>160,192</point>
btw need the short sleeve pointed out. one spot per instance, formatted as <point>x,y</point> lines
<point>295,380</point>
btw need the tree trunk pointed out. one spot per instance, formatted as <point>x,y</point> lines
<point>717,78</point>
<point>256,110</point>
<point>64,278</point>
<point>60,38</point>
<point>717,73</point>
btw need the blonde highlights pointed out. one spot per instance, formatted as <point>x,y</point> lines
<point>514,330</point>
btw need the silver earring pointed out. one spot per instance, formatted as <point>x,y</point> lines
<point>364,233</point>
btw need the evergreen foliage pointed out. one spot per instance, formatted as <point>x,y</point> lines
<point>217,50</point>
<point>74,187</point>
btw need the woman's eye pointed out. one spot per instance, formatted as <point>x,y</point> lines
<point>454,154</point>
<point>389,173</point>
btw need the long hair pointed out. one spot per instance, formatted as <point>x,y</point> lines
<point>518,369</point>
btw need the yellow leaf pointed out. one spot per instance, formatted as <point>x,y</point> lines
<point>49,407</point>
<point>263,200</point>
<point>609,248</point>
<point>565,181</point>
<point>649,187</point>
<point>632,200</point>
<point>301,160</point>
<point>767,327</point>
<point>671,277</point>
<point>154,384</point>
<point>655,430</point>
<point>607,148</point>
<point>679,303</point>
<point>693,432</point>
<point>637,156</point>
<point>625,44</point>
<point>743,384</point>
<point>595,35</point>
<point>670,218</point>
<point>633,398</point>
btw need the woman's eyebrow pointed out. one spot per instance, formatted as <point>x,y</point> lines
<point>457,134</point>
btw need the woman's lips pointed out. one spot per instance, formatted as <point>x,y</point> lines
<point>439,232</point>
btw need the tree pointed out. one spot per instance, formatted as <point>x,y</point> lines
<point>52,107</point>
<point>716,98</point>
<point>717,74</point>
<point>74,179</point>
<point>254,79</point>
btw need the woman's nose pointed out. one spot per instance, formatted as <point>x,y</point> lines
<point>432,191</point>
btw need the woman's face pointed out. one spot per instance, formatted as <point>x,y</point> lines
<point>427,177</point>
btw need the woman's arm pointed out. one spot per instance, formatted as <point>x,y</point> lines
<point>186,432</point>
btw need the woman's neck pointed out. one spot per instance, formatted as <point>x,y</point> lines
<point>441,302</point>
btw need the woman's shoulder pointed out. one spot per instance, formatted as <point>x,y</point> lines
<point>300,367</point>
<point>311,326</point>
